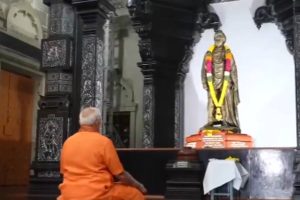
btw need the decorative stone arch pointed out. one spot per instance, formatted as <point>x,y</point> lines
<point>280,13</point>
<point>23,23</point>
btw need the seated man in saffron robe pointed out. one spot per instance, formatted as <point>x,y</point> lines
<point>89,163</point>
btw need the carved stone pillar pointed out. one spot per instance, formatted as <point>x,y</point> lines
<point>297,63</point>
<point>90,71</point>
<point>109,57</point>
<point>179,111</point>
<point>166,29</point>
<point>296,7</point>
<point>148,71</point>
<point>109,40</point>
<point>202,23</point>
<point>54,115</point>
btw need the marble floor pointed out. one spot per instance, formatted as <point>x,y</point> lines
<point>21,193</point>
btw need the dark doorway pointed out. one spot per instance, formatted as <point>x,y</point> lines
<point>121,124</point>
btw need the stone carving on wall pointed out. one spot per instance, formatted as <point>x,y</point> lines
<point>23,23</point>
<point>58,82</point>
<point>148,116</point>
<point>99,74</point>
<point>56,54</point>
<point>92,72</point>
<point>88,71</point>
<point>177,124</point>
<point>145,48</point>
<point>50,138</point>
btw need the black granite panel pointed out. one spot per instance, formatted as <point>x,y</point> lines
<point>271,170</point>
<point>148,167</point>
<point>271,173</point>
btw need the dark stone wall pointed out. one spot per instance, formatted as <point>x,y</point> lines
<point>270,169</point>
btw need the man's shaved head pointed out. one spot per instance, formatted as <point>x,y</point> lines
<point>89,116</point>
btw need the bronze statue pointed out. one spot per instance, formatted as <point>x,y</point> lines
<point>219,78</point>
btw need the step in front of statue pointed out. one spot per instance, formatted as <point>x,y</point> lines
<point>181,182</point>
<point>184,180</point>
<point>183,193</point>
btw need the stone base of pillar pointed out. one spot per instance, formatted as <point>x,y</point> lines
<point>44,179</point>
<point>52,129</point>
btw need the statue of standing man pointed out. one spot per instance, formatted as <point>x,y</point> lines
<point>220,79</point>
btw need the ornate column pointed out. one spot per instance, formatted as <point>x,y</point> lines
<point>91,17</point>
<point>139,11</point>
<point>297,63</point>
<point>148,71</point>
<point>109,40</point>
<point>286,15</point>
<point>54,116</point>
<point>167,35</point>
<point>296,9</point>
<point>179,90</point>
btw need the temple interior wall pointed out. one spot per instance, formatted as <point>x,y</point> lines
<point>265,68</point>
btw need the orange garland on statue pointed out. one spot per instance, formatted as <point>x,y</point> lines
<point>209,68</point>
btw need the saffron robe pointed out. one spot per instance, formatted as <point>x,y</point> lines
<point>88,163</point>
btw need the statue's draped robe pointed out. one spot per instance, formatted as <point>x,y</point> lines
<point>229,108</point>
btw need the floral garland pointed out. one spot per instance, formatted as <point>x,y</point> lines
<point>209,69</point>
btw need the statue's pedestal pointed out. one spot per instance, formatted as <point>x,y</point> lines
<point>218,139</point>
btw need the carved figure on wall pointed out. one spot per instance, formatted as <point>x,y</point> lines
<point>49,143</point>
<point>220,79</point>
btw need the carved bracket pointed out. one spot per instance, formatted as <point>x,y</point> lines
<point>207,21</point>
<point>280,13</point>
<point>263,15</point>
